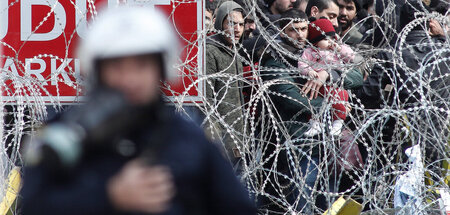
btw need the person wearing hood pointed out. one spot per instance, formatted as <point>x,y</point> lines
<point>224,99</point>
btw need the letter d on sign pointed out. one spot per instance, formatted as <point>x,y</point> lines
<point>26,33</point>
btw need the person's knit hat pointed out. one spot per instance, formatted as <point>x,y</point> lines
<point>319,30</point>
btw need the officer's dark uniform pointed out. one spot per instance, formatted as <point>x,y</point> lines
<point>205,182</point>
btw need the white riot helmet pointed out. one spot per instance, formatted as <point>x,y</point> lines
<point>127,31</point>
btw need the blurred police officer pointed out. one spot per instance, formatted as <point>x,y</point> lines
<point>124,152</point>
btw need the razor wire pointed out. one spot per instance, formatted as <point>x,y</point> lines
<point>265,143</point>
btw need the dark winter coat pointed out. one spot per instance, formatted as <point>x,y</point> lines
<point>224,96</point>
<point>406,77</point>
<point>204,180</point>
<point>418,79</point>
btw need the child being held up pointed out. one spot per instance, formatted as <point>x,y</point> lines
<point>324,54</point>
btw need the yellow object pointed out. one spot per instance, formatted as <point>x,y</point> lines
<point>12,189</point>
<point>344,206</point>
<point>446,172</point>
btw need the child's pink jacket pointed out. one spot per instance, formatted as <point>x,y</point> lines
<point>317,59</point>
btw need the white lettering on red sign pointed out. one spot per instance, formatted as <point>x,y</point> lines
<point>28,34</point>
<point>10,66</point>
<point>26,16</point>
<point>37,66</point>
<point>39,37</point>
<point>80,18</point>
<point>3,19</point>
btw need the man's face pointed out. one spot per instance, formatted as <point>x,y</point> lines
<point>330,13</point>
<point>208,19</point>
<point>280,6</point>
<point>249,27</point>
<point>233,25</point>
<point>347,12</point>
<point>297,31</point>
<point>137,77</point>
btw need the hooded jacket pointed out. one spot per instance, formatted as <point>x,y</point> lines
<point>224,86</point>
<point>223,10</point>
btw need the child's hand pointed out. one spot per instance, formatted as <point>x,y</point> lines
<point>336,46</point>
<point>348,108</point>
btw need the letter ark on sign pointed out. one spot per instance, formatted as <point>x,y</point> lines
<point>39,40</point>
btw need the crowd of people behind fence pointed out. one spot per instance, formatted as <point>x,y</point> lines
<point>282,61</point>
<point>310,100</point>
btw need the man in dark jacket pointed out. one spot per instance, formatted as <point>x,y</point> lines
<point>124,151</point>
<point>224,99</point>
<point>292,107</point>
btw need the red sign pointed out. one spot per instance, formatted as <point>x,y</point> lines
<point>39,38</point>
